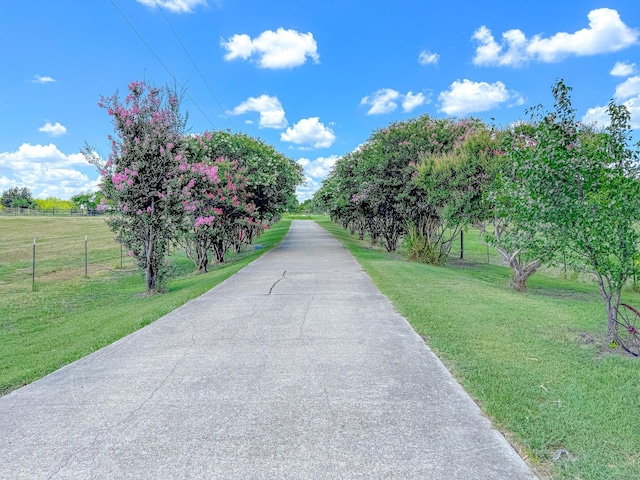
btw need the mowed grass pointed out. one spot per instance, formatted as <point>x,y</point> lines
<point>60,249</point>
<point>537,363</point>
<point>70,316</point>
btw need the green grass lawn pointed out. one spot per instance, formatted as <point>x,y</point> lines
<point>537,363</point>
<point>70,316</point>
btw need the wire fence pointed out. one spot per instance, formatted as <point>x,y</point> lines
<point>26,264</point>
<point>52,212</point>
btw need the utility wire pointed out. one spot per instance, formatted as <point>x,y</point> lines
<point>194,64</point>
<point>162,63</point>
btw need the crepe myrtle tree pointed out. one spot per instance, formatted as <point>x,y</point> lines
<point>272,177</point>
<point>136,180</point>
<point>376,184</point>
<point>213,202</point>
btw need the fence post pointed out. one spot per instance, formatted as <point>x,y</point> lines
<point>121,256</point>
<point>86,258</point>
<point>33,267</point>
<point>461,245</point>
<point>487,253</point>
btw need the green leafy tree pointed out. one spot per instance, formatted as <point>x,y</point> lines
<point>454,182</point>
<point>86,200</point>
<point>18,197</point>
<point>575,192</point>
<point>521,249</point>
<point>51,203</point>
<point>375,186</point>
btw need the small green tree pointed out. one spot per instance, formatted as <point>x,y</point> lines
<point>18,197</point>
<point>86,200</point>
<point>576,194</point>
<point>502,221</point>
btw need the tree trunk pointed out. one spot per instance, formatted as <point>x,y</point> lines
<point>520,273</point>
<point>374,239</point>
<point>202,259</point>
<point>612,304</point>
<point>219,249</point>
<point>150,268</point>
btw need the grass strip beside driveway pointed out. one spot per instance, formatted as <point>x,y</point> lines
<point>537,363</point>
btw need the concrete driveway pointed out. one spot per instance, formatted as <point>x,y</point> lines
<point>297,367</point>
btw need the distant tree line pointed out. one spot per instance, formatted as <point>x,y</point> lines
<point>22,198</point>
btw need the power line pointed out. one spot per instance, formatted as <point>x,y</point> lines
<point>194,64</point>
<point>162,63</point>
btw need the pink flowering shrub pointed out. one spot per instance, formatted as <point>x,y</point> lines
<point>139,170</point>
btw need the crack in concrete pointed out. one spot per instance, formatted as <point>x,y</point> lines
<point>108,429</point>
<point>276,282</point>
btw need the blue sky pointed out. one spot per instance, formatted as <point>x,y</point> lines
<point>313,79</point>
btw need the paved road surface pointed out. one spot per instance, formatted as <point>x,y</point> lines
<point>295,368</point>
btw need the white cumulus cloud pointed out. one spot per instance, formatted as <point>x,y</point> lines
<point>279,49</point>
<point>53,129</point>
<point>466,96</point>
<point>309,131</point>
<point>627,93</point>
<point>176,6</point>
<point>42,79</point>
<point>386,100</point>
<point>307,189</point>
<point>315,172</point>
<point>606,33</point>
<point>270,110</point>
<point>383,101</point>
<point>46,171</point>
<point>412,101</point>
<point>623,69</point>
<point>629,88</point>
<point>428,58</point>
<point>320,167</point>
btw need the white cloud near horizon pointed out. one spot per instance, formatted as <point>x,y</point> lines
<point>628,94</point>
<point>42,79</point>
<point>623,69</point>
<point>606,33</point>
<point>308,189</point>
<point>386,100</point>
<point>270,109</point>
<point>315,172</point>
<point>629,88</point>
<point>428,58</point>
<point>46,171</point>
<point>175,6</point>
<point>275,50</point>
<point>309,131</point>
<point>320,167</point>
<point>466,96</point>
<point>54,130</point>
